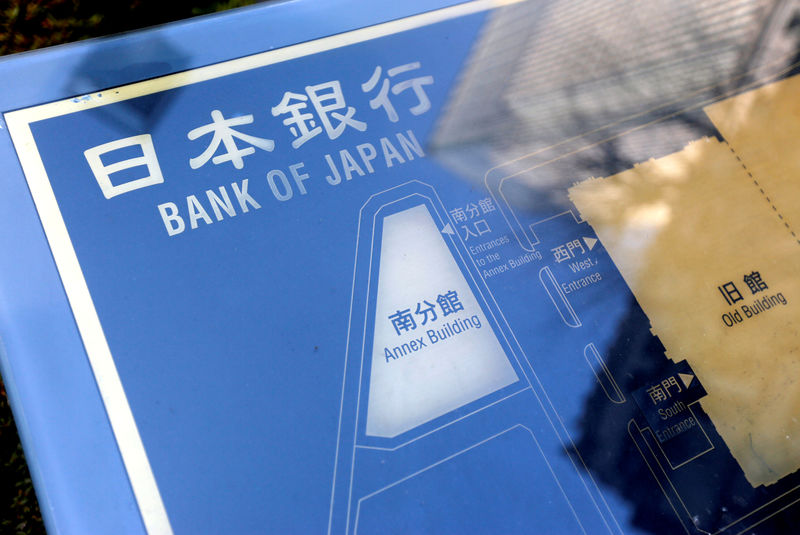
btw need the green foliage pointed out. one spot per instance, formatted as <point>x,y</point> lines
<point>31,24</point>
<point>19,510</point>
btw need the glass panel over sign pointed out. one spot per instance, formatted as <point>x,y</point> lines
<point>498,267</point>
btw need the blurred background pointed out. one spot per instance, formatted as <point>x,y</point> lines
<point>31,24</point>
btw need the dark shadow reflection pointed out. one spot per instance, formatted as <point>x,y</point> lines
<point>557,92</point>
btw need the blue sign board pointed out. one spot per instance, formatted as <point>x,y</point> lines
<point>300,296</point>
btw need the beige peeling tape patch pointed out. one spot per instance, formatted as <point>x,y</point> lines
<point>680,227</point>
<point>763,126</point>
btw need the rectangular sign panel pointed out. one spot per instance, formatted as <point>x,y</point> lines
<point>373,282</point>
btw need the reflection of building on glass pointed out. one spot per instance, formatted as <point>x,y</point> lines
<point>147,161</point>
<point>689,262</point>
<point>546,71</point>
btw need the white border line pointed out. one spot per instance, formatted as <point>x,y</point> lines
<point>202,74</point>
<point>131,449</point>
<point>120,416</point>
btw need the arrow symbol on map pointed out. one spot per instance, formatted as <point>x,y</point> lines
<point>686,379</point>
<point>590,242</point>
<point>448,230</point>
